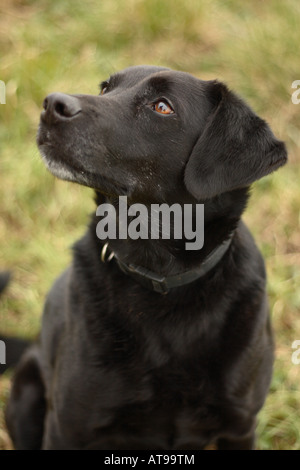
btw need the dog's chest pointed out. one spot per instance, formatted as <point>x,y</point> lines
<point>173,405</point>
<point>147,383</point>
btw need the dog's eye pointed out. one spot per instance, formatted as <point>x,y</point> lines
<point>162,107</point>
<point>103,88</point>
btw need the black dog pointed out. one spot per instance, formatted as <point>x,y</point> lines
<point>119,364</point>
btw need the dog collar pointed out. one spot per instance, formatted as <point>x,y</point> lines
<point>162,284</point>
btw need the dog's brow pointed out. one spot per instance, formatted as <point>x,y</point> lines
<point>159,83</point>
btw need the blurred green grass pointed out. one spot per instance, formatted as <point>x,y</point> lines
<point>70,47</point>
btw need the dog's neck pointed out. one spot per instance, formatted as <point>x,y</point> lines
<point>169,257</point>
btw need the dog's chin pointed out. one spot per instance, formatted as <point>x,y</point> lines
<point>66,172</point>
<point>62,170</point>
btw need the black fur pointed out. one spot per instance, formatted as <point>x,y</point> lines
<point>14,347</point>
<point>119,366</point>
<point>4,280</point>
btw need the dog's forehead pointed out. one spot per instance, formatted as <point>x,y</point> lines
<point>133,75</point>
<point>139,74</point>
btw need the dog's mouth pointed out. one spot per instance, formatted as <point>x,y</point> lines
<point>61,170</point>
<point>71,169</point>
<point>57,166</point>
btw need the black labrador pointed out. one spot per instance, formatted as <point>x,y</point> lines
<point>145,344</point>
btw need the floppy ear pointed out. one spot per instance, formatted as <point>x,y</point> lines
<point>235,148</point>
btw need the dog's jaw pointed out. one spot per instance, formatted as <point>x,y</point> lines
<point>61,169</point>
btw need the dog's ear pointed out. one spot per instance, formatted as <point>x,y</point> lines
<point>235,149</point>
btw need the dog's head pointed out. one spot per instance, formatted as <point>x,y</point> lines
<point>158,135</point>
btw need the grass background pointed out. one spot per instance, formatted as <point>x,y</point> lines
<point>70,47</point>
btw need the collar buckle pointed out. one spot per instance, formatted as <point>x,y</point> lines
<point>106,258</point>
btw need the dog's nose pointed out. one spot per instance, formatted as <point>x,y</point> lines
<point>59,107</point>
